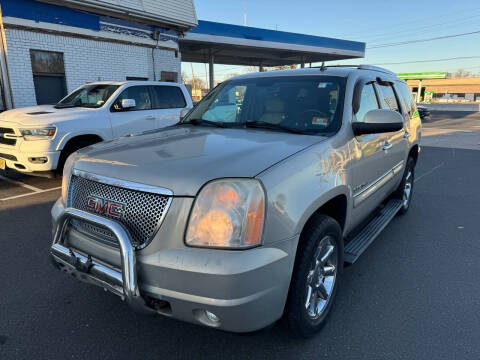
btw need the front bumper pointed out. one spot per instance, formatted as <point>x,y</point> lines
<point>21,161</point>
<point>246,290</point>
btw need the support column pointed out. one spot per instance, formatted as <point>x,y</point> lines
<point>302,64</point>
<point>6,86</point>
<point>419,92</point>
<point>211,71</point>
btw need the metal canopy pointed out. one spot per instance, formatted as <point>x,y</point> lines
<point>242,45</point>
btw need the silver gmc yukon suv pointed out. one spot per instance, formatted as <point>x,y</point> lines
<point>247,209</point>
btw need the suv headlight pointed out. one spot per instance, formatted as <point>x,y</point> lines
<point>67,173</point>
<point>228,213</point>
<point>39,133</point>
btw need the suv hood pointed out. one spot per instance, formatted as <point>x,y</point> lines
<point>183,158</point>
<point>43,115</point>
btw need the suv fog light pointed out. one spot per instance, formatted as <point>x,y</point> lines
<point>38,160</point>
<point>206,317</point>
<point>212,317</point>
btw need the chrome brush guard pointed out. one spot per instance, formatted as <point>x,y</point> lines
<point>123,283</point>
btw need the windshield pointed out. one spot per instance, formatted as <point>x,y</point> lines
<point>92,96</point>
<point>301,104</point>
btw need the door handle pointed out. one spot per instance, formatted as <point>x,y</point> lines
<point>150,117</point>
<point>406,135</point>
<point>387,146</point>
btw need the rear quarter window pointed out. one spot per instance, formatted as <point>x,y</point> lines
<point>168,97</point>
<point>407,98</point>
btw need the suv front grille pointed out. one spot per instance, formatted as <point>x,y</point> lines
<point>4,140</point>
<point>142,213</point>
<point>102,235</point>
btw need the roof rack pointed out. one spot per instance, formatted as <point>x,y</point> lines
<point>360,67</point>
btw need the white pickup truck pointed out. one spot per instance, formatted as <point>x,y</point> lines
<point>37,140</point>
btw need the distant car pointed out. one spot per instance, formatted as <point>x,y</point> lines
<point>37,140</point>
<point>423,112</point>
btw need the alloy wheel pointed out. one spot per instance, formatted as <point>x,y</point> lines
<point>407,189</point>
<point>321,278</point>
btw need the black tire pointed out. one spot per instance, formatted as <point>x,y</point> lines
<point>69,149</point>
<point>300,323</point>
<point>408,179</point>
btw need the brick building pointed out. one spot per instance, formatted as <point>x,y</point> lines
<point>50,47</point>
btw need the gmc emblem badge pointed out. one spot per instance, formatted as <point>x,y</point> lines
<point>105,207</point>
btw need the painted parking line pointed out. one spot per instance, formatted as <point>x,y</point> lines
<point>30,194</point>
<point>429,171</point>
<point>19,183</point>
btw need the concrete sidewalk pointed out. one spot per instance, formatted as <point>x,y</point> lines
<point>453,107</point>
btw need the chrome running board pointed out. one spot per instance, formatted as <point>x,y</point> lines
<point>357,245</point>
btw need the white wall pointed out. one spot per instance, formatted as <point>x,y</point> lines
<point>181,12</point>
<point>85,60</point>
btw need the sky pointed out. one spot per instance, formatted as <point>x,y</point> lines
<point>374,22</point>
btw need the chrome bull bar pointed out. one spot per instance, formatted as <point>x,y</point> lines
<point>122,283</point>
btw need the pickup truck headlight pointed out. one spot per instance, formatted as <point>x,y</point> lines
<point>45,133</point>
<point>67,173</point>
<point>227,213</point>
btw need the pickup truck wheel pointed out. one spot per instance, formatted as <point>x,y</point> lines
<point>405,189</point>
<point>315,277</point>
<point>68,150</point>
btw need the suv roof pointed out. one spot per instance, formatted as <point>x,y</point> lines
<point>338,70</point>
<point>132,82</point>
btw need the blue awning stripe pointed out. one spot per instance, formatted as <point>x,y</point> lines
<point>251,33</point>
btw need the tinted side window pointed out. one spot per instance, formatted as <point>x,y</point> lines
<point>140,94</point>
<point>168,97</point>
<point>388,99</point>
<point>407,98</point>
<point>368,101</point>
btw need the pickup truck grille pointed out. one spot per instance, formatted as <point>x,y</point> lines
<point>6,141</point>
<point>141,215</point>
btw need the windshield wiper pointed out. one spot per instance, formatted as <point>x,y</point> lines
<point>69,106</point>
<point>267,125</point>
<point>63,106</point>
<point>203,122</point>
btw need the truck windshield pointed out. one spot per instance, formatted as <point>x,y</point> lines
<point>298,104</point>
<point>91,96</point>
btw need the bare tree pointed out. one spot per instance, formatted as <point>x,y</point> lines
<point>228,76</point>
<point>251,69</point>
<point>197,83</point>
<point>285,67</point>
<point>461,73</point>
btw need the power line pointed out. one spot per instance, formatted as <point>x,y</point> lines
<point>413,21</point>
<point>430,60</point>
<point>425,29</point>
<point>423,40</point>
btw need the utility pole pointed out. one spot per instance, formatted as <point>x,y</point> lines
<point>244,12</point>
<point>193,79</point>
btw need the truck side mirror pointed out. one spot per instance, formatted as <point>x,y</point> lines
<point>184,113</point>
<point>128,104</point>
<point>378,121</point>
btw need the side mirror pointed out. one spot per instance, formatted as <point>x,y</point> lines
<point>184,113</point>
<point>128,104</point>
<point>378,121</point>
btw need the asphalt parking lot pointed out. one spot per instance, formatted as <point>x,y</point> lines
<point>414,294</point>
